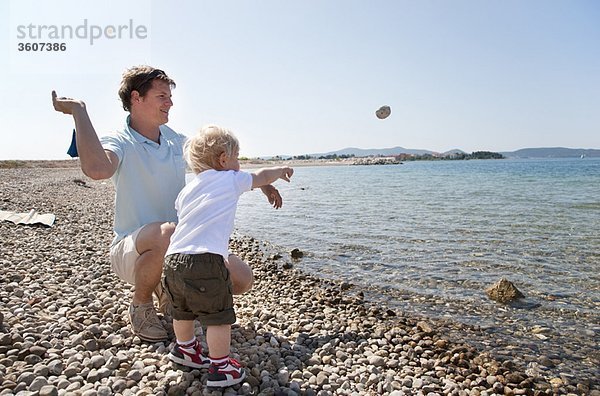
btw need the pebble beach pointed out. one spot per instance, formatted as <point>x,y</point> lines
<point>64,326</point>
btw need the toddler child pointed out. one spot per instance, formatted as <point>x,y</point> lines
<point>195,274</point>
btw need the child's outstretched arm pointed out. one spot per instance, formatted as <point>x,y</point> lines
<point>266,176</point>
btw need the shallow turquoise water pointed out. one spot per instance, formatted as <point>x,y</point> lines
<point>430,237</point>
<point>445,229</point>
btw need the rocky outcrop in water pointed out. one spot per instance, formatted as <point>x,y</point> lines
<point>504,291</point>
<point>296,254</point>
<point>377,161</point>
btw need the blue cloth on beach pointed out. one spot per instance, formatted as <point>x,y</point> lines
<point>73,148</point>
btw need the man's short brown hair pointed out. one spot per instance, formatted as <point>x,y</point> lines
<point>139,78</point>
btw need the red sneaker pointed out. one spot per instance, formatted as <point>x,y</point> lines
<point>195,359</point>
<point>225,374</point>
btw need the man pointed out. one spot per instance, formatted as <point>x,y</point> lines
<point>145,163</point>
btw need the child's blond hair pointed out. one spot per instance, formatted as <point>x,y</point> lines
<point>202,152</point>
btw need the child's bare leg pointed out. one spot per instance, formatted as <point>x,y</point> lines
<point>223,370</point>
<point>218,339</point>
<point>184,330</point>
<point>188,350</point>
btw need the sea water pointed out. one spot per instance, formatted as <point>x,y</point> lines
<point>431,236</point>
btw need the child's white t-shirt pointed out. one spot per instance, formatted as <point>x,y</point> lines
<point>206,211</point>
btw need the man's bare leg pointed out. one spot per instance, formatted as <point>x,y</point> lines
<point>152,243</point>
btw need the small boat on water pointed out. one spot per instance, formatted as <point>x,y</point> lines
<point>582,156</point>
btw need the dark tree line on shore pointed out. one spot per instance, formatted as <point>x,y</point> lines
<point>478,155</point>
<point>413,157</point>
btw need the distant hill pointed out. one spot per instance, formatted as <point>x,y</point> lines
<point>453,152</point>
<point>540,152</point>
<point>551,152</point>
<point>357,152</point>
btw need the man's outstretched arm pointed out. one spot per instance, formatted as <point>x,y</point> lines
<point>96,162</point>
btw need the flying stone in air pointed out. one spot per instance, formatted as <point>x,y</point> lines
<point>383,112</point>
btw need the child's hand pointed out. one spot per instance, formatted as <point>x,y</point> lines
<point>286,173</point>
<point>273,196</point>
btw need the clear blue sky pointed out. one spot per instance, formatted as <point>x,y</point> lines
<point>297,77</point>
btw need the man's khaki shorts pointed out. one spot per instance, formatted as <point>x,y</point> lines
<point>199,286</point>
<point>123,256</point>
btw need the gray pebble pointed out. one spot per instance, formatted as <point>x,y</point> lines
<point>63,383</point>
<point>90,345</point>
<point>134,375</point>
<point>26,378</point>
<point>104,391</point>
<point>322,378</point>
<point>38,350</point>
<point>38,383</point>
<point>417,383</point>
<point>92,376</point>
<point>41,370</point>
<point>70,372</point>
<point>55,367</point>
<point>32,359</point>
<point>48,390</point>
<point>377,361</point>
<point>97,361</point>
<point>119,385</point>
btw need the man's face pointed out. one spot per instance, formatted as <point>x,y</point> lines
<point>155,105</point>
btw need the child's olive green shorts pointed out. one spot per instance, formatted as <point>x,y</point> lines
<point>199,287</point>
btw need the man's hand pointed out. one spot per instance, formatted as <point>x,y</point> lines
<point>272,195</point>
<point>66,105</point>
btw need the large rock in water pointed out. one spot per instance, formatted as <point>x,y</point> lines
<point>504,291</point>
<point>296,253</point>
